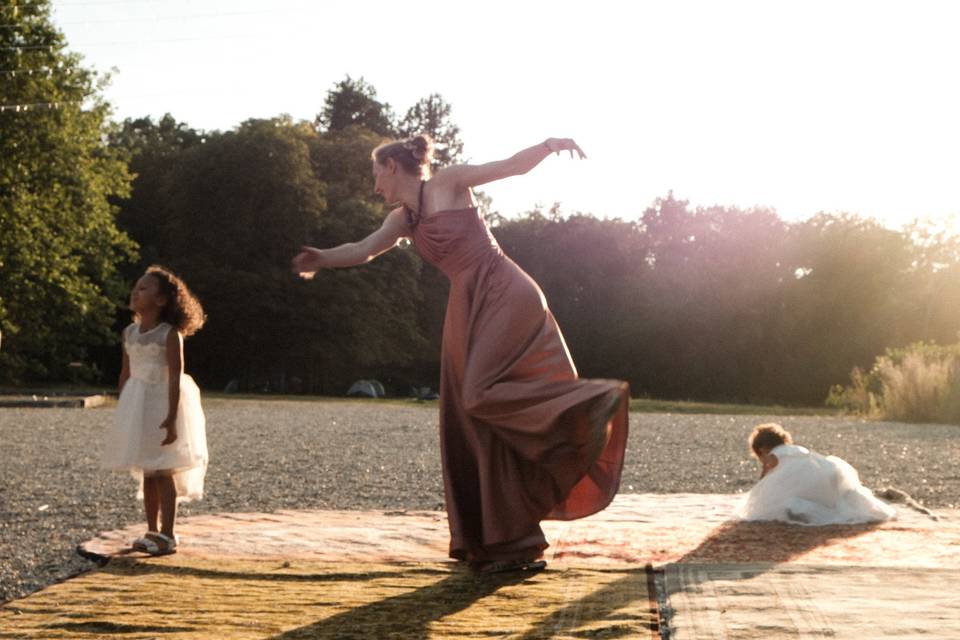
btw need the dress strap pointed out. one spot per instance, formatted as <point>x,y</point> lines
<point>413,217</point>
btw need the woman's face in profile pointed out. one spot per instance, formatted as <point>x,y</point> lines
<point>383,180</point>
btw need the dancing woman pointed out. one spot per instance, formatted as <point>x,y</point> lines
<point>523,438</point>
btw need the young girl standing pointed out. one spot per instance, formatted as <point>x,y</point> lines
<point>158,433</point>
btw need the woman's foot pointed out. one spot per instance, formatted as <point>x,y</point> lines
<point>507,566</point>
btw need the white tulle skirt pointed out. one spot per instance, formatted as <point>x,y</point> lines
<point>813,490</point>
<point>133,440</point>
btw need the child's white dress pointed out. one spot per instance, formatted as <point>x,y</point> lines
<point>811,489</point>
<point>133,440</point>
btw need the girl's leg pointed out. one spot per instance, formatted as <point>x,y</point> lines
<point>151,502</point>
<point>167,490</point>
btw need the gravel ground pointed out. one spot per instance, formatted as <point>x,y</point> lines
<point>273,454</point>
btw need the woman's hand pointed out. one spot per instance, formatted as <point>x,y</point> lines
<point>556,145</point>
<point>307,262</point>
<point>171,426</point>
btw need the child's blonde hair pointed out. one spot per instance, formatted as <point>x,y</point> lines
<point>768,436</point>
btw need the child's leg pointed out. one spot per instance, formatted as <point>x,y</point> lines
<point>168,503</point>
<point>151,502</point>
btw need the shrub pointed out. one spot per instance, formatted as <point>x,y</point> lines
<point>917,383</point>
<point>858,398</point>
<point>915,390</point>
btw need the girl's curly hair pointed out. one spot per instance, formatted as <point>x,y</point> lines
<point>183,310</point>
<point>768,436</point>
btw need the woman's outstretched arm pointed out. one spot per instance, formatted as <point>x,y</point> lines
<point>310,259</point>
<point>472,175</point>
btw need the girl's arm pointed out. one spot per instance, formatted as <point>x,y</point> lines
<point>124,370</point>
<point>309,260</point>
<point>769,461</point>
<point>464,176</point>
<point>175,369</point>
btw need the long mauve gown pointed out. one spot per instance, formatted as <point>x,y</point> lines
<point>517,441</point>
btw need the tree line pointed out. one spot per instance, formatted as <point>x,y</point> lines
<point>710,303</point>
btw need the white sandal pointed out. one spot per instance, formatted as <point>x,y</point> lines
<point>140,544</point>
<point>156,544</point>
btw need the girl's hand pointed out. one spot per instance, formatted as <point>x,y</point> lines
<point>171,427</point>
<point>307,262</point>
<point>556,145</point>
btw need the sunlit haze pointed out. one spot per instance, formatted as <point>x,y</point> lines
<point>804,107</point>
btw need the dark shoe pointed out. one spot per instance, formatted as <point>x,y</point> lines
<point>508,566</point>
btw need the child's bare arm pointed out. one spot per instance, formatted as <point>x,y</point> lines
<point>175,365</point>
<point>769,461</point>
<point>124,371</point>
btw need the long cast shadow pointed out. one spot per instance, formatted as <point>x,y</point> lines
<point>132,567</point>
<point>600,605</point>
<point>737,541</point>
<point>764,545</point>
<point>761,544</point>
<point>407,615</point>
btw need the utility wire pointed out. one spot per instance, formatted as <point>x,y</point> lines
<point>36,106</point>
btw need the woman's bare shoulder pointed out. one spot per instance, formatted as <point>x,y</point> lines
<point>444,192</point>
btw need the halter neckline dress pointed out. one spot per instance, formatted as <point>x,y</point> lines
<point>519,434</point>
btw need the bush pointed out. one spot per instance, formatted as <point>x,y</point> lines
<point>918,383</point>
<point>858,398</point>
<point>950,406</point>
<point>915,390</point>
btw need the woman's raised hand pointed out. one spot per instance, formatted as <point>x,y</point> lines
<point>307,262</point>
<point>556,145</point>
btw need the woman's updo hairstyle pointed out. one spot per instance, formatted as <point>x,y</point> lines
<point>413,154</point>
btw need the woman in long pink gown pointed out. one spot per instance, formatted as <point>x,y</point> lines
<point>523,438</point>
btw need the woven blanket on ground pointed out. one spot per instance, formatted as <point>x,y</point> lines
<point>203,598</point>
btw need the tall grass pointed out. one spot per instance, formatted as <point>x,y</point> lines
<point>915,389</point>
<point>920,383</point>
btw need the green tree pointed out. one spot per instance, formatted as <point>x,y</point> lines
<point>376,318</point>
<point>151,150</point>
<point>229,213</point>
<point>848,297</point>
<point>59,244</point>
<point>432,116</point>
<point>354,103</point>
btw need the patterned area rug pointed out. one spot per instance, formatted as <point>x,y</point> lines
<point>763,601</point>
<point>636,530</point>
<point>320,574</point>
<point>204,598</point>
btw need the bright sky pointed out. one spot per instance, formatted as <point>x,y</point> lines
<point>803,106</point>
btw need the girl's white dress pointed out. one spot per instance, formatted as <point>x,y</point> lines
<point>811,489</point>
<point>133,440</point>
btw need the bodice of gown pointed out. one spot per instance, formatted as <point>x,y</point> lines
<point>147,352</point>
<point>455,240</point>
<point>789,451</point>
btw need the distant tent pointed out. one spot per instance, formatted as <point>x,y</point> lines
<point>424,393</point>
<point>367,389</point>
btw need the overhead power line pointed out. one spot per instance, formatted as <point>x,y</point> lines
<point>36,106</point>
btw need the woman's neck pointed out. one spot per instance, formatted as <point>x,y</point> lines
<point>410,194</point>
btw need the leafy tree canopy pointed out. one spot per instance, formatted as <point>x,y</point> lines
<point>59,245</point>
